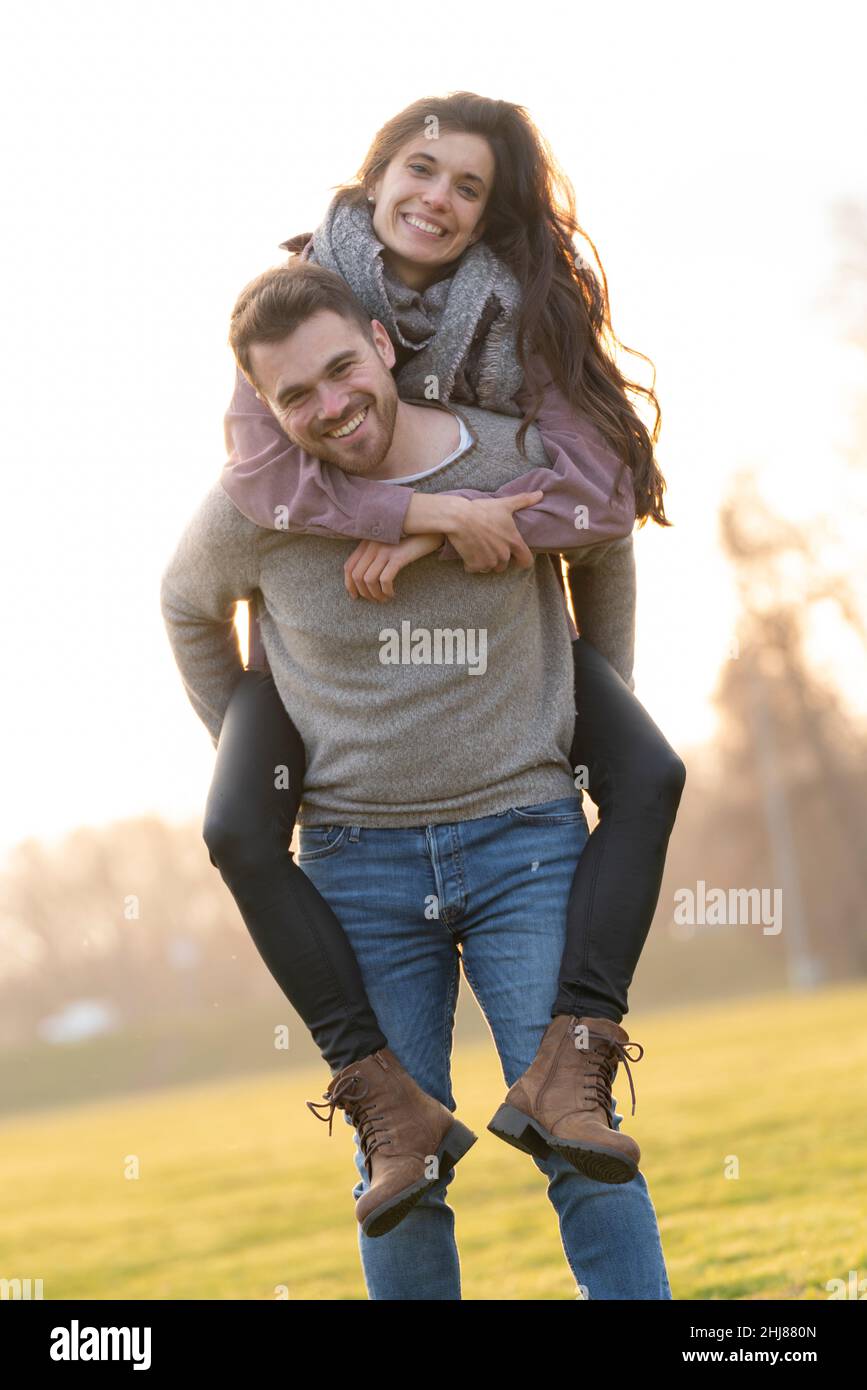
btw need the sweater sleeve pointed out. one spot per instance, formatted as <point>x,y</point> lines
<point>602,585</point>
<point>277,485</point>
<point>580,505</point>
<point>214,565</point>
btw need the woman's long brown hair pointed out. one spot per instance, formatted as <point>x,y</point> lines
<point>530,223</point>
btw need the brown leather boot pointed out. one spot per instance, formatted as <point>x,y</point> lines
<point>563,1100</point>
<point>403,1126</point>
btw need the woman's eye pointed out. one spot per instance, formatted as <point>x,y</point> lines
<point>466,188</point>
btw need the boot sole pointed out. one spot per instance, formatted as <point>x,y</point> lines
<point>458,1141</point>
<point>530,1137</point>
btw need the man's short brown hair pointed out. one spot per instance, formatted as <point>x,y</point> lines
<point>280,299</point>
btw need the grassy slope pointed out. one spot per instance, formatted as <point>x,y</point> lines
<point>241,1191</point>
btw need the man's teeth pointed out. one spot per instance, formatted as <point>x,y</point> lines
<point>350,427</point>
<point>425,226</point>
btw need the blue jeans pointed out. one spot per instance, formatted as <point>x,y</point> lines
<point>491,894</point>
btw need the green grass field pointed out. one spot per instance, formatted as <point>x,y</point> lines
<point>241,1193</point>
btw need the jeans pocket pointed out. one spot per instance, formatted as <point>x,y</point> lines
<point>565,810</point>
<point>320,841</point>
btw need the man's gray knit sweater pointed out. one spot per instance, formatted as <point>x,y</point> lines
<point>451,702</point>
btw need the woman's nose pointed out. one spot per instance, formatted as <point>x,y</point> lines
<point>436,195</point>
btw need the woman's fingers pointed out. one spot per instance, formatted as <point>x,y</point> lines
<point>522,554</point>
<point>387,577</point>
<point>353,569</point>
<point>491,557</point>
<point>524,499</point>
<point>363,571</point>
<point>371,585</point>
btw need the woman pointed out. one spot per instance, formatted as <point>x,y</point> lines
<point>471,267</point>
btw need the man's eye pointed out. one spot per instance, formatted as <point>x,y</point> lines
<point>344,367</point>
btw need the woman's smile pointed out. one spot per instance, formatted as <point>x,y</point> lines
<point>423,226</point>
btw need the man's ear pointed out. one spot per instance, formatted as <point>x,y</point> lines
<point>383,343</point>
<point>250,382</point>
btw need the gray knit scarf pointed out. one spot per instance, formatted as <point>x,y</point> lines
<point>461,331</point>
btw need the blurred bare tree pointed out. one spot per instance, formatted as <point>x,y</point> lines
<point>794,752</point>
<point>780,799</point>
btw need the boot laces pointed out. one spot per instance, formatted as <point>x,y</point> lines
<point>346,1095</point>
<point>607,1059</point>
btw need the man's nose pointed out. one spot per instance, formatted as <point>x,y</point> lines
<point>333,401</point>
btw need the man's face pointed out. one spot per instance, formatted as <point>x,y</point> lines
<point>325,378</point>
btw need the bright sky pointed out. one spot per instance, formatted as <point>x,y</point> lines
<point>155,155</point>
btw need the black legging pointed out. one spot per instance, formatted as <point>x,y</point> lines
<point>634,777</point>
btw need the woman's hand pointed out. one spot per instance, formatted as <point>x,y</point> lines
<point>486,537</point>
<point>482,530</point>
<point>371,568</point>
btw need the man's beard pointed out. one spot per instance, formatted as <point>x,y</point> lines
<point>328,450</point>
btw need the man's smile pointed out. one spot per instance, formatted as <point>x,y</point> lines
<point>350,426</point>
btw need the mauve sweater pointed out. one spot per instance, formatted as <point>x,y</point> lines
<point>394,735</point>
<point>266,471</point>
<point>587,492</point>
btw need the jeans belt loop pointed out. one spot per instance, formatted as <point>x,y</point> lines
<point>354,834</point>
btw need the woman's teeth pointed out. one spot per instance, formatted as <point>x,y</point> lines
<point>423,226</point>
<point>350,427</point>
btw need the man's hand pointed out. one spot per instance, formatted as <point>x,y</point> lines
<point>371,568</point>
<point>482,531</point>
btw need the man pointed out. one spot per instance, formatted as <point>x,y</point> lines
<point>439,806</point>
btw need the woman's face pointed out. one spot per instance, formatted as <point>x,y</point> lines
<point>429,203</point>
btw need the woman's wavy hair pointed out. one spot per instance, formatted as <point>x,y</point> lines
<point>530,223</point>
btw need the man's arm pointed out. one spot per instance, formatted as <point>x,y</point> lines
<point>602,585</point>
<point>279,486</point>
<point>214,565</point>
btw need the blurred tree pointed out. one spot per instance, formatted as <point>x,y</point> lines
<point>795,755</point>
